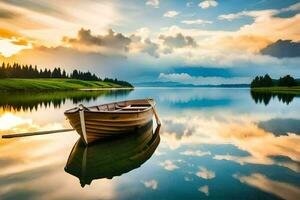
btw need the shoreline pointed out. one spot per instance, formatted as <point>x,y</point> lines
<point>55,84</point>
<point>282,90</point>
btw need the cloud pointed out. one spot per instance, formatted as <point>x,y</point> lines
<point>205,173</point>
<point>113,43</point>
<point>196,21</point>
<point>254,14</point>
<point>178,41</point>
<point>85,40</point>
<point>243,43</point>
<point>151,184</point>
<point>151,48</point>
<point>154,3</point>
<point>145,45</point>
<point>282,49</point>
<point>6,14</point>
<point>12,46</point>
<point>47,22</point>
<point>195,153</point>
<point>37,6</point>
<point>293,7</point>
<point>199,80</point>
<point>21,42</point>
<point>207,4</point>
<point>4,33</point>
<point>171,13</point>
<point>258,13</point>
<point>169,165</point>
<point>204,189</point>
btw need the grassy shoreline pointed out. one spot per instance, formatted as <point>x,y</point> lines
<point>51,84</point>
<point>283,90</point>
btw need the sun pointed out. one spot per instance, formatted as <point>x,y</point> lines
<point>7,48</point>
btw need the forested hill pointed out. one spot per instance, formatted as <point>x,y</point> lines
<point>267,81</point>
<point>16,70</point>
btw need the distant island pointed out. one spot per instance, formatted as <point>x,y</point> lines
<point>26,77</point>
<point>286,84</point>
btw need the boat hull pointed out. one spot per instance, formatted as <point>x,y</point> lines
<point>102,125</point>
<point>110,158</point>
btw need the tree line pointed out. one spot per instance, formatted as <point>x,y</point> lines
<point>267,81</point>
<point>28,71</point>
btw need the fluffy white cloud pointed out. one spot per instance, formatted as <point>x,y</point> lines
<point>255,14</point>
<point>196,21</point>
<point>171,13</point>
<point>154,3</point>
<point>293,7</point>
<point>207,4</point>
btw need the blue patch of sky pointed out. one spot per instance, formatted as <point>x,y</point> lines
<point>142,15</point>
<point>271,4</point>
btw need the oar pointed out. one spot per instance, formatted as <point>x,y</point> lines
<point>154,111</point>
<point>36,133</point>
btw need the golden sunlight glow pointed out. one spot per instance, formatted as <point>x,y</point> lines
<point>7,48</point>
<point>9,121</point>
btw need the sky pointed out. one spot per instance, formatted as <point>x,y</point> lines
<point>186,41</point>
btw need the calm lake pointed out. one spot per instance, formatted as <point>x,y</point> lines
<point>213,143</point>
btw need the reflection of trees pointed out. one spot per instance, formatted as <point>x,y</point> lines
<point>23,101</point>
<point>265,97</point>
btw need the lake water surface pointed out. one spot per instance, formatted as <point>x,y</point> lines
<point>213,143</point>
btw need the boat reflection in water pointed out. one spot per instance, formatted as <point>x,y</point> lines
<point>109,158</point>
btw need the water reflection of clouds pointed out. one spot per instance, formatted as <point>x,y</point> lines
<point>204,189</point>
<point>28,162</point>
<point>151,184</point>
<point>222,140</point>
<point>280,189</point>
<point>169,165</point>
<point>197,153</point>
<point>280,126</point>
<point>8,121</point>
<point>205,173</point>
<point>188,95</point>
<point>244,134</point>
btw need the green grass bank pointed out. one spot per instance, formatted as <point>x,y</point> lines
<point>52,84</point>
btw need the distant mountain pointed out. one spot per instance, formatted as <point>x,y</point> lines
<point>177,84</point>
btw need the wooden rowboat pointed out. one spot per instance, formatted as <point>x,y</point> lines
<point>112,119</point>
<point>110,158</point>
